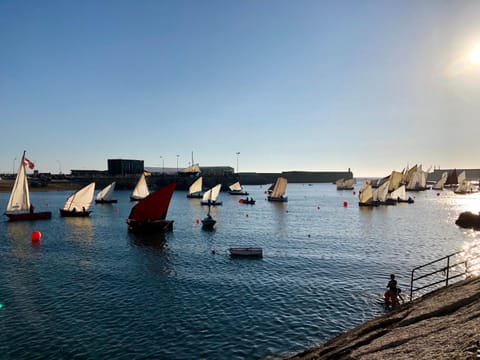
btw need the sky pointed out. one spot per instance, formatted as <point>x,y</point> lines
<point>373,86</point>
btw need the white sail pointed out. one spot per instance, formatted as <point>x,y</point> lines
<point>235,187</point>
<point>395,180</point>
<point>196,186</point>
<point>349,183</point>
<point>279,188</point>
<point>141,189</point>
<point>106,193</point>
<point>461,177</point>
<point>366,195</point>
<point>365,184</point>
<point>212,194</point>
<point>383,191</point>
<point>339,183</point>
<point>19,198</point>
<point>81,199</point>
<point>399,194</point>
<point>441,183</point>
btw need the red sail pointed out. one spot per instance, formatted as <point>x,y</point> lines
<point>154,206</point>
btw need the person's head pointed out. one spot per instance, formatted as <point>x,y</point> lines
<point>392,276</point>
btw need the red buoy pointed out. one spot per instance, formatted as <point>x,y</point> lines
<point>36,236</point>
<point>438,194</point>
<point>197,221</point>
<point>345,203</point>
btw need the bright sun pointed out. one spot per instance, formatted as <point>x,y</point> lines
<point>475,55</point>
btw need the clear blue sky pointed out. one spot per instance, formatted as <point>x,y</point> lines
<point>291,85</point>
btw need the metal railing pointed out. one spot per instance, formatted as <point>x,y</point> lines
<point>443,270</point>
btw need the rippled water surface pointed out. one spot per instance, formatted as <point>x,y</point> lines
<point>92,290</point>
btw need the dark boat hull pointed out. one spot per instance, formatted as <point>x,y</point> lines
<point>102,201</point>
<point>149,227</point>
<point>243,193</point>
<point>195,196</point>
<point>208,223</point>
<point>44,215</point>
<point>246,252</point>
<point>70,213</point>
<point>211,203</point>
<point>278,199</point>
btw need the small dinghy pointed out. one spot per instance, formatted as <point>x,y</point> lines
<point>246,251</point>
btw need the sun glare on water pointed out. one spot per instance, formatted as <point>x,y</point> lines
<point>475,55</point>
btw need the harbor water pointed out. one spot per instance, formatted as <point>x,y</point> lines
<point>92,290</point>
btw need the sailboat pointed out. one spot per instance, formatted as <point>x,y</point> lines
<point>452,179</point>
<point>149,214</point>
<point>382,194</point>
<point>464,186</point>
<point>441,182</point>
<point>141,189</point>
<point>105,196</point>
<point>399,195</point>
<point>211,196</point>
<point>195,190</point>
<point>343,184</point>
<point>78,204</point>
<point>208,222</point>
<point>418,181</point>
<point>278,191</point>
<point>19,207</point>
<point>236,189</point>
<point>365,196</point>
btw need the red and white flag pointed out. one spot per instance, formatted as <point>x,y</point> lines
<point>28,163</point>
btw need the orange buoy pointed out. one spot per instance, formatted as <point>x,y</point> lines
<point>36,236</point>
<point>345,203</point>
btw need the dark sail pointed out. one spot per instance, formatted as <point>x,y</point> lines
<point>452,178</point>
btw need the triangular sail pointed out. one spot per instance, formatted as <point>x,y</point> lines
<point>82,199</point>
<point>441,182</point>
<point>19,198</point>
<point>154,206</point>
<point>339,183</point>
<point>235,187</point>
<point>107,192</point>
<point>212,194</point>
<point>461,177</point>
<point>141,189</point>
<point>279,188</point>
<point>399,193</point>
<point>366,195</point>
<point>349,183</point>
<point>382,192</point>
<point>196,186</point>
<point>452,178</point>
<point>395,180</point>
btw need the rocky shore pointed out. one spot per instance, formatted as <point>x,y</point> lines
<point>444,324</point>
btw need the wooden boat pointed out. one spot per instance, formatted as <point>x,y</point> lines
<point>278,191</point>
<point>195,190</point>
<point>399,196</point>
<point>382,194</point>
<point>452,179</point>
<point>246,251</point>
<point>345,184</point>
<point>418,181</point>
<point>78,204</point>
<point>210,197</point>
<point>247,201</point>
<point>141,189</point>
<point>149,214</point>
<point>236,189</point>
<point>105,196</point>
<point>465,186</point>
<point>19,207</point>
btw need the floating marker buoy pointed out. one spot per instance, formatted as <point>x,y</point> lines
<point>354,193</point>
<point>246,215</point>
<point>213,251</point>
<point>345,203</point>
<point>197,221</point>
<point>318,207</point>
<point>36,236</point>
<point>240,201</point>
<point>438,194</point>
<point>46,204</point>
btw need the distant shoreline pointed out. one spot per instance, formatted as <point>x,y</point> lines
<point>7,185</point>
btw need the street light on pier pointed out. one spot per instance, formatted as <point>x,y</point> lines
<point>13,166</point>
<point>177,162</point>
<point>163,164</point>
<point>59,167</point>
<point>238,153</point>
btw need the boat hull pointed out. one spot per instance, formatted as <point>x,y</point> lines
<point>70,213</point>
<point>208,223</point>
<point>211,203</point>
<point>243,193</point>
<point>246,252</point>
<point>44,215</point>
<point>247,202</point>
<point>195,196</point>
<point>278,199</point>
<point>102,201</point>
<point>149,227</point>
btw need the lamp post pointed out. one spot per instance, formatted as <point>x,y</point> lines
<point>177,162</point>
<point>238,153</point>
<point>163,165</point>
<point>13,166</point>
<point>59,167</point>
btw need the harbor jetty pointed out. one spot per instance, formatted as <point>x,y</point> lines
<point>444,324</point>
